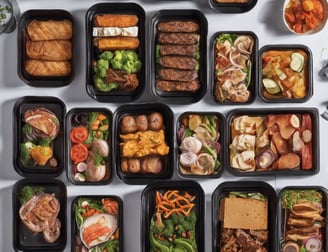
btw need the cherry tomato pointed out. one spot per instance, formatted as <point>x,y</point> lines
<point>79,134</point>
<point>79,153</point>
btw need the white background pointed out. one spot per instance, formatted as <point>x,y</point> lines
<point>265,19</point>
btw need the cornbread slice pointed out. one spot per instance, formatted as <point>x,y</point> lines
<point>244,213</point>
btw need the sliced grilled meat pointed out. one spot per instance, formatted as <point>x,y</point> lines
<point>43,120</point>
<point>178,62</point>
<point>172,86</point>
<point>178,26</point>
<point>40,212</point>
<point>178,38</point>
<point>182,50</point>
<point>51,234</point>
<point>177,75</point>
<point>127,82</point>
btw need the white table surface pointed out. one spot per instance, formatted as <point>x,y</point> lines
<point>265,19</point>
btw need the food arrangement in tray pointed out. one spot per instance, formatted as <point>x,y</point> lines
<point>88,133</point>
<point>179,55</point>
<point>305,17</point>
<point>235,66</point>
<point>97,224</point>
<point>115,35</point>
<point>38,136</point>
<point>243,217</point>
<point>45,40</point>
<point>144,142</point>
<point>200,144</point>
<point>40,208</point>
<point>172,219</point>
<point>303,214</point>
<point>286,73</point>
<point>277,142</point>
<point>233,6</point>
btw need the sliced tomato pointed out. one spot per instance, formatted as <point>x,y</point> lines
<point>79,153</point>
<point>79,134</point>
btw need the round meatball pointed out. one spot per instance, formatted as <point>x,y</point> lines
<point>134,165</point>
<point>142,122</point>
<point>124,165</point>
<point>128,124</point>
<point>155,121</point>
<point>151,164</point>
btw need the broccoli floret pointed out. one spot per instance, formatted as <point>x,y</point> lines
<point>107,55</point>
<point>169,228</point>
<point>104,87</point>
<point>101,68</point>
<point>116,64</point>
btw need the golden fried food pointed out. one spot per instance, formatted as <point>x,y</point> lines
<point>47,68</point>
<point>144,143</point>
<point>49,49</point>
<point>49,30</point>
<point>116,20</point>
<point>116,43</point>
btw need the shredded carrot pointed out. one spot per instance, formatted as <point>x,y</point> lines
<point>94,231</point>
<point>174,202</point>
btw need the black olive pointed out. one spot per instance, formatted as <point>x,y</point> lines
<point>80,119</point>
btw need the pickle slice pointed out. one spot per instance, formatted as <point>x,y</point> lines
<point>297,62</point>
<point>271,86</point>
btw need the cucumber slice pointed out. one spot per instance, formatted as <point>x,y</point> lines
<point>271,86</point>
<point>297,62</point>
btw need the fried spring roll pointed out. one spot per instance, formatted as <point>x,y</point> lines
<point>116,20</point>
<point>116,43</point>
<point>49,50</point>
<point>44,68</point>
<point>49,30</point>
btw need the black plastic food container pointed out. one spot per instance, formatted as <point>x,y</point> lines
<point>253,58</point>
<point>233,7</point>
<point>54,105</point>
<point>115,96</point>
<point>42,15</point>
<point>224,189</point>
<point>97,199</point>
<point>311,112</point>
<point>283,218</point>
<point>180,97</point>
<point>306,71</point>
<point>148,200</point>
<point>26,240</point>
<point>145,109</point>
<point>72,121</point>
<point>216,145</point>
